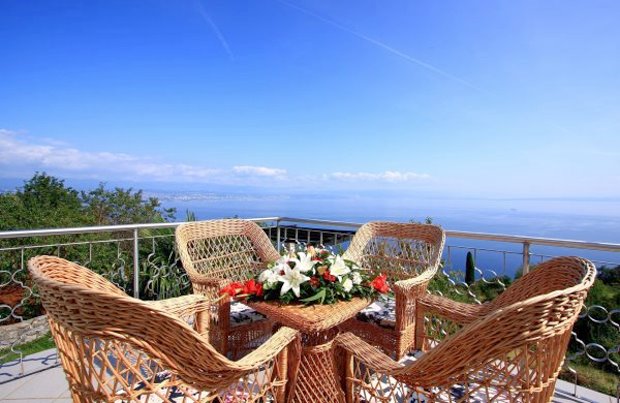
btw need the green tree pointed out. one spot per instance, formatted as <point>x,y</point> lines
<point>43,202</point>
<point>470,268</point>
<point>122,206</point>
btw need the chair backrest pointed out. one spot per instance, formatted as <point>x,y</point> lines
<point>518,348</point>
<point>111,344</point>
<point>228,249</point>
<point>401,250</point>
<point>551,275</point>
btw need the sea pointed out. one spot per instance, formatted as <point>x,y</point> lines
<point>593,220</point>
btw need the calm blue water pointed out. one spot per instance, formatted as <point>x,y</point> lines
<point>588,220</point>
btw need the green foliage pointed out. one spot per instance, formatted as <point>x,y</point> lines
<point>46,202</point>
<point>427,220</point>
<point>470,268</point>
<point>162,278</point>
<point>591,377</point>
<point>609,275</point>
<point>43,202</point>
<point>587,330</point>
<point>190,215</point>
<point>41,344</point>
<point>484,291</point>
<point>122,206</point>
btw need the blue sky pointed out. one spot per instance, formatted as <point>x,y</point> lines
<point>460,98</point>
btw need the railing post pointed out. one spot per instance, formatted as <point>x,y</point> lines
<point>136,264</point>
<point>526,258</point>
<point>278,241</point>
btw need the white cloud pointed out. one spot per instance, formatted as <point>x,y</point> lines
<point>20,152</point>
<point>387,176</point>
<point>259,171</point>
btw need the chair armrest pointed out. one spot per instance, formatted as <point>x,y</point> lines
<point>412,286</point>
<point>406,293</point>
<point>194,308</point>
<point>186,305</point>
<point>272,347</point>
<point>369,355</point>
<point>210,287</point>
<point>207,281</point>
<point>458,312</point>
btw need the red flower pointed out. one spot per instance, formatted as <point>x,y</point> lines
<point>232,289</point>
<point>314,281</point>
<point>259,289</point>
<point>328,277</point>
<point>380,284</point>
<point>252,287</point>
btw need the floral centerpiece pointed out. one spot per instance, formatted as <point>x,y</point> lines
<point>313,276</point>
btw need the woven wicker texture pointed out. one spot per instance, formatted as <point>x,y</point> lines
<point>215,253</point>
<point>117,348</point>
<point>313,318</point>
<point>315,373</point>
<point>409,254</point>
<point>512,350</point>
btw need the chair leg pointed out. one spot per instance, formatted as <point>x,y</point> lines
<point>349,374</point>
<point>420,330</point>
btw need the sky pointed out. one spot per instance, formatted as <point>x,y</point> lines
<point>453,98</point>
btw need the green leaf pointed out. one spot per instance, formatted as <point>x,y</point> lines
<point>318,296</point>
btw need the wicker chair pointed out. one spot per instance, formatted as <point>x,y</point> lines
<point>116,348</point>
<point>511,351</point>
<point>215,253</point>
<point>409,254</point>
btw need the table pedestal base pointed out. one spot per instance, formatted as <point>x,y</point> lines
<point>317,378</point>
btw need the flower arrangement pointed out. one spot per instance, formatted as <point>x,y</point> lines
<point>315,276</point>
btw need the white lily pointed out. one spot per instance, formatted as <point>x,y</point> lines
<point>269,277</point>
<point>291,280</point>
<point>305,262</point>
<point>347,284</point>
<point>356,277</point>
<point>339,268</point>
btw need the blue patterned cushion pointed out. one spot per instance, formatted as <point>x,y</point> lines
<point>381,312</point>
<point>241,314</point>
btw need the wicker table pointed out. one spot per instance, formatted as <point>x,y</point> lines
<point>314,377</point>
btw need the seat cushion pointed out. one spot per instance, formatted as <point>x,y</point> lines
<point>241,314</point>
<point>381,312</point>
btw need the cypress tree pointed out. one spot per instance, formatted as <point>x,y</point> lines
<point>470,268</point>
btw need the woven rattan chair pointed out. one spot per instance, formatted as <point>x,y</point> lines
<point>409,254</point>
<point>116,348</point>
<point>215,253</point>
<point>511,351</point>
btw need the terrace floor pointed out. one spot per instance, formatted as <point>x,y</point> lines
<point>50,385</point>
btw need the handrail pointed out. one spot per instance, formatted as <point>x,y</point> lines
<point>568,243</point>
<point>98,229</point>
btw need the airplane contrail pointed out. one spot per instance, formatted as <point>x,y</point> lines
<point>382,45</point>
<point>215,29</point>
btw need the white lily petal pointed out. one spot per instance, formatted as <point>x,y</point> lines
<point>285,287</point>
<point>292,279</point>
<point>339,268</point>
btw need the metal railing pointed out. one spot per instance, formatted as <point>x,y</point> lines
<point>141,259</point>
